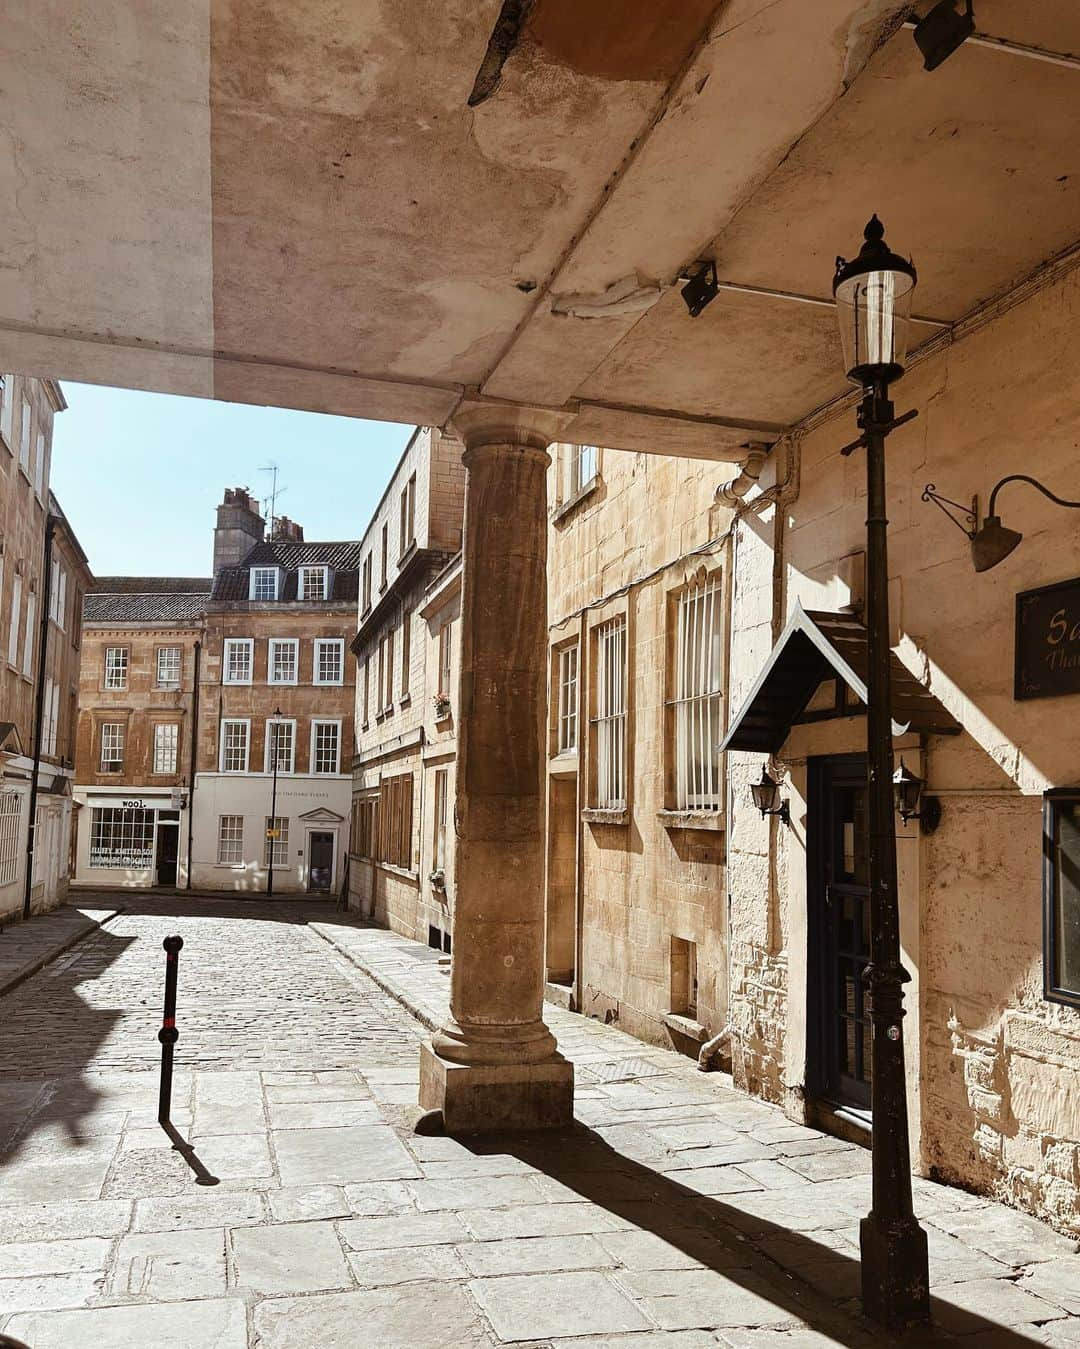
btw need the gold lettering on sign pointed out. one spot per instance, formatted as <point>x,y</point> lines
<point>1058,628</point>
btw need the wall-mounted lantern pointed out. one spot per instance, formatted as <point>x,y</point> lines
<point>992,542</point>
<point>766,794</point>
<point>910,802</point>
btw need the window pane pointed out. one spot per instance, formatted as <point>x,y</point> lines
<point>121,838</point>
<point>230,840</point>
<point>112,747</point>
<point>1066,863</point>
<point>234,746</point>
<point>325,754</point>
<point>168,667</point>
<point>116,667</point>
<point>238,660</point>
<point>282,661</point>
<point>165,744</point>
<point>277,834</point>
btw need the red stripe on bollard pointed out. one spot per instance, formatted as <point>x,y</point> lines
<point>169,1022</point>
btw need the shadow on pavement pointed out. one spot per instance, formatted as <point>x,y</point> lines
<point>715,1234</point>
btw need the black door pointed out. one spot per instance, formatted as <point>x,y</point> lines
<point>839,932</point>
<point>320,862</point>
<point>168,842</point>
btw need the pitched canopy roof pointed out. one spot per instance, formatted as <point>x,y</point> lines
<point>816,646</point>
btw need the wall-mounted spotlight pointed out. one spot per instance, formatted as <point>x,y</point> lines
<point>766,794</point>
<point>992,542</point>
<point>702,288</point>
<point>910,802</point>
<point>940,32</point>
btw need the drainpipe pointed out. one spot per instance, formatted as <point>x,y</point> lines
<point>731,493</point>
<point>191,765</point>
<point>39,710</point>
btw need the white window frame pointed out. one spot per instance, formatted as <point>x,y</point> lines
<point>567,670</point>
<point>128,826</point>
<point>7,411</point>
<point>10,836</point>
<point>226,722</point>
<point>25,427</point>
<point>365,574</point>
<point>441,813</point>
<point>323,574</point>
<point>279,845</point>
<point>116,671</point>
<point>698,696</point>
<point>275,737</point>
<point>313,760</point>
<point>237,643</point>
<point>28,639</point>
<point>272,647</point>
<point>230,848</point>
<point>407,525</point>
<point>116,741</point>
<point>254,584</point>
<point>609,722</point>
<point>166,748</point>
<point>582,468</point>
<point>39,464</point>
<point>159,664</point>
<point>16,620</point>
<point>339,644</point>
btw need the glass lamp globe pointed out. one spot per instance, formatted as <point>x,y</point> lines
<point>873,307</point>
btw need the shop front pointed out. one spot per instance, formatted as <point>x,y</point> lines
<point>131,839</point>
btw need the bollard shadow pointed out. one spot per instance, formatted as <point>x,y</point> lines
<point>724,1238</point>
<point>187,1151</point>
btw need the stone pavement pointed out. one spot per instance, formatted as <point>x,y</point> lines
<point>677,1213</point>
<point>26,948</point>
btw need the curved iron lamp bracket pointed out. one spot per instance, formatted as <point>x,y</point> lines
<point>930,493</point>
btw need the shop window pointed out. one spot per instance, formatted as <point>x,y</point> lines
<point>121,838</point>
<point>1061,888</point>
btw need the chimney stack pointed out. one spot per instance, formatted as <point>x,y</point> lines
<point>288,531</point>
<point>239,528</point>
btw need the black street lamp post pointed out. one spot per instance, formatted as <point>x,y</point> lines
<point>272,831</point>
<point>873,294</point>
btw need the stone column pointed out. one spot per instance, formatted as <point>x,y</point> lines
<point>495,1064</point>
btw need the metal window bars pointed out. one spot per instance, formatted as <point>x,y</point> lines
<point>610,720</point>
<point>698,698</point>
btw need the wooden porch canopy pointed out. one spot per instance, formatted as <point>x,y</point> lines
<point>816,646</point>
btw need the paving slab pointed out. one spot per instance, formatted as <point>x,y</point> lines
<point>169,1266</point>
<point>1057,1281</point>
<point>48,1291</point>
<point>19,1259</point>
<point>221,1324</point>
<point>289,1258</point>
<point>27,947</point>
<point>958,1306</point>
<point>533,1255</point>
<point>413,1229</point>
<point>201,1208</point>
<point>64,1221</point>
<point>308,1203</point>
<point>1013,1238</point>
<point>428,1316</point>
<point>337,1156</point>
<point>413,1264</point>
<point>534,1306</point>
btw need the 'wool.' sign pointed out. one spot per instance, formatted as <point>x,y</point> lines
<point>1048,641</point>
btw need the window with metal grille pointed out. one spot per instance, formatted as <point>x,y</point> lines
<point>112,747</point>
<point>329,660</point>
<point>116,667</point>
<point>264,583</point>
<point>121,838</point>
<point>581,468</point>
<point>325,746</point>
<point>698,696</point>
<point>166,739</point>
<point>234,745</point>
<point>238,660</point>
<point>277,837</point>
<point>230,848</point>
<point>169,664</point>
<point>610,721</point>
<point>283,660</point>
<point>313,584</point>
<point>280,743</point>
<point>567,739</point>
<point>9,837</point>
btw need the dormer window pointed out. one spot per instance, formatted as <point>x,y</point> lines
<point>314,583</point>
<point>264,583</point>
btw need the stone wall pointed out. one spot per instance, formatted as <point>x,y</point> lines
<point>626,546</point>
<point>993,1065</point>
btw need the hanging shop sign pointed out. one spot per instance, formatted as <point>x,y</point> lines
<point>1048,641</point>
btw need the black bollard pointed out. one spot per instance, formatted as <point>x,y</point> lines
<point>168,1034</point>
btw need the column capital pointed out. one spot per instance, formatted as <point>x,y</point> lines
<point>489,422</point>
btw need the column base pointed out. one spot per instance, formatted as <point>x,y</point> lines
<point>895,1289</point>
<point>488,1098</point>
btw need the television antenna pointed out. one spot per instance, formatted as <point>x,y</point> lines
<point>270,503</point>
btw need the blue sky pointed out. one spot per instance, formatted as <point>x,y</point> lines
<point>139,474</point>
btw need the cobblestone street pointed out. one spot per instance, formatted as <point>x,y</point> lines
<point>677,1213</point>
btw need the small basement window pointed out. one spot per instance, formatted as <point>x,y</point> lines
<point>684,978</point>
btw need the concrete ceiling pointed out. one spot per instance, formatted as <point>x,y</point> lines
<point>272,202</point>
